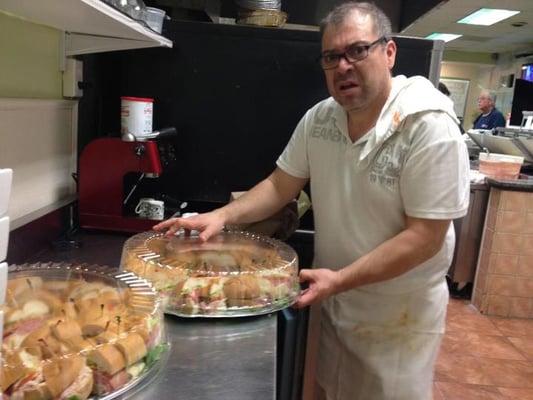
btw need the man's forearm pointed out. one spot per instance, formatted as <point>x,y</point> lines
<point>263,200</point>
<point>396,256</point>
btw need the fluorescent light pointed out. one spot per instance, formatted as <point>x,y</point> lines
<point>447,37</point>
<point>487,16</point>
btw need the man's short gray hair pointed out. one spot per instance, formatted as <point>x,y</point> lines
<point>491,95</point>
<point>382,25</point>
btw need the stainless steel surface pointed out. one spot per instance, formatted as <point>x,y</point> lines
<point>513,131</point>
<point>496,144</point>
<point>229,359</point>
<point>218,360</point>
<point>526,145</point>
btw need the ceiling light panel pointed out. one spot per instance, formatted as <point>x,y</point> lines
<point>487,16</point>
<point>447,37</point>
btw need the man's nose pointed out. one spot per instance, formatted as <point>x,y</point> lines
<point>344,63</point>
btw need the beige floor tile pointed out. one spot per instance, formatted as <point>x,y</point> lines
<point>479,345</point>
<point>524,345</point>
<point>514,326</point>
<point>515,394</point>
<point>508,373</point>
<point>471,322</point>
<point>460,369</point>
<point>437,395</point>
<point>461,391</point>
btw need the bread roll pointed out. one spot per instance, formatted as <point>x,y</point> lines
<point>53,302</point>
<point>94,327</point>
<point>132,348</point>
<point>243,287</point>
<point>108,359</point>
<point>11,371</point>
<point>63,330</point>
<point>17,286</point>
<point>60,373</point>
<point>36,392</point>
<point>81,387</point>
<point>95,319</point>
<point>78,344</point>
<point>69,310</point>
<point>106,337</point>
<point>33,342</point>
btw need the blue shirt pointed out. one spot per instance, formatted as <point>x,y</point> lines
<point>493,119</point>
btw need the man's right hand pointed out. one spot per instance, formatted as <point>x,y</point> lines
<point>208,224</point>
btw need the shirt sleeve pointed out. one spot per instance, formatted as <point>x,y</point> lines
<point>295,159</point>
<point>435,183</point>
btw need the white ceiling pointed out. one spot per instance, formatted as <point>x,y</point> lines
<point>501,37</point>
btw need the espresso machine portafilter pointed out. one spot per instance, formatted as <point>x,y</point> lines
<point>103,164</point>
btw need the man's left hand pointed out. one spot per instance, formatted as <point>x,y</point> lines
<point>322,284</point>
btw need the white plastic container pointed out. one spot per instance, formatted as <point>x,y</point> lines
<point>500,166</point>
<point>136,115</point>
<point>154,18</point>
<point>4,236</point>
<point>5,189</point>
<point>3,285</point>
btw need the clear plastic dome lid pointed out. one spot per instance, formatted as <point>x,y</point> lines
<point>232,274</point>
<point>72,331</point>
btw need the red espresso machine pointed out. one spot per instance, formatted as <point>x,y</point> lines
<point>102,166</point>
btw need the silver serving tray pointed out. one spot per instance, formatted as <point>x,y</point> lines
<point>496,144</point>
<point>238,312</point>
<point>527,143</point>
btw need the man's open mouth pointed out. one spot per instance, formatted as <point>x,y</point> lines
<point>347,86</point>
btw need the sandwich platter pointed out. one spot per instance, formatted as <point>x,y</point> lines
<point>233,274</point>
<point>74,332</point>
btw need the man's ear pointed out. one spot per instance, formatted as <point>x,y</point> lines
<point>391,53</point>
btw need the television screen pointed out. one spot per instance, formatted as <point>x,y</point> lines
<point>527,72</point>
<point>522,100</point>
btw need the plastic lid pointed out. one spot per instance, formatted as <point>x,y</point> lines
<point>232,274</point>
<point>3,282</point>
<point>64,324</point>
<point>156,10</point>
<point>4,237</point>
<point>143,99</point>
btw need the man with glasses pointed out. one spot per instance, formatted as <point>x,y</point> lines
<point>388,172</point>
<point>490,116</point>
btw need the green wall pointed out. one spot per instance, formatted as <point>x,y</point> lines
<point>468,57</point>
<point>29,60</point>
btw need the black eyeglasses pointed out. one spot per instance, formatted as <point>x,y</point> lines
<point>354,52</point>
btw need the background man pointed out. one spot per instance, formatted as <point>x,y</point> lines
<point>490,117</point>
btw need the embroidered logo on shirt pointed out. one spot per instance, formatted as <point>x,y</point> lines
<point>324,129</point>
<point>386,166</point>
<point>326,133</point>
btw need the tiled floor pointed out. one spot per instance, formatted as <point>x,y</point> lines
<point>485,358</point>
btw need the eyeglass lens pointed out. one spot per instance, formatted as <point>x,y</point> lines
<point>354,52</point>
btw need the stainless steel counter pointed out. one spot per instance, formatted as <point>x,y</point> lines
<point>217,359</point>
<point>222,359</point>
